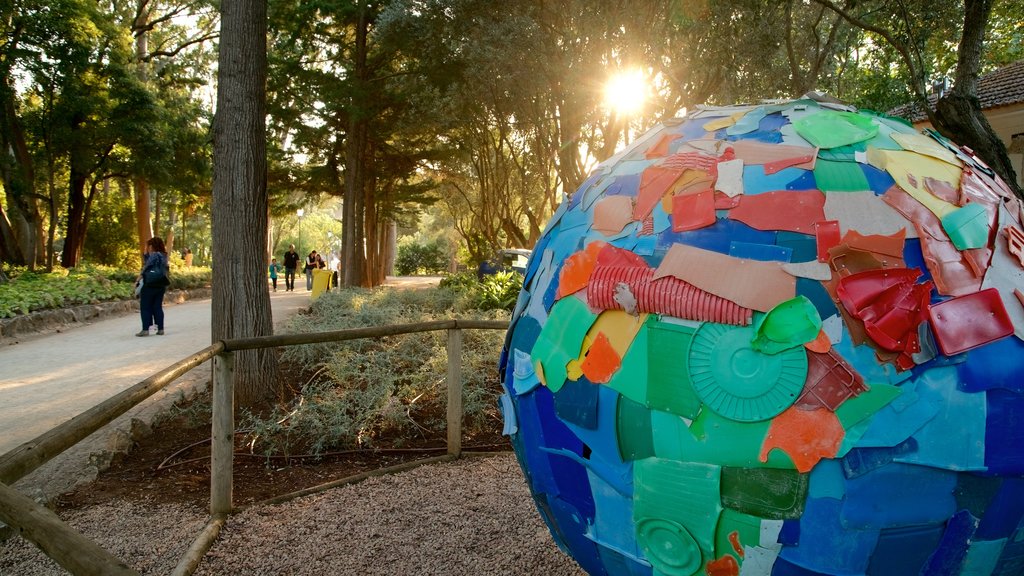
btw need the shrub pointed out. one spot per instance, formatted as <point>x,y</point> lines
<point>499,291</point>
<point>361,392</point>
<point>421,259</point>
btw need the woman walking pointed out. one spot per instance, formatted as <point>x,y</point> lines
<point>154,283</point>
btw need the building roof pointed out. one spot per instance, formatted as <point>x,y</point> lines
<point>1001,87</point>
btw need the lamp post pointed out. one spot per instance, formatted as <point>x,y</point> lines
<point>300,212</point>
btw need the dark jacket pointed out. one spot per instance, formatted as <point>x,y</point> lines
<point>291,260</point>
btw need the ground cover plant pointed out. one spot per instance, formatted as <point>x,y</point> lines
<point>29,291</point>
<point>389,391</point>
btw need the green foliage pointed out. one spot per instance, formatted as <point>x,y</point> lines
<point>360,392</point>
<point>499,291</point>
<point>460,282</point>
<point>426,258</point>
<point>86,284</point>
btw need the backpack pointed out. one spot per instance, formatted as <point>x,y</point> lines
<point>154,275</point>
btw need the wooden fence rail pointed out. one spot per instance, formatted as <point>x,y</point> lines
<point>78,554</point>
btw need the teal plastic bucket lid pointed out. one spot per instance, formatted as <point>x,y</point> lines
<point>668,546</point>
<point>739,382</point>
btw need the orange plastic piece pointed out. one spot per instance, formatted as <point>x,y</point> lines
<point>1015,241</point>
<point>693,211</point>
<point>602,360</point>
<point>694,160</point>
<point>611,255</point>
<point>611,214</point>
<point>734,541</point>
<point>889,248</point>
<point>806,436</point>
<point>775,157</point>
<point>655,182</point>
<point>724,566</point>
<point>791,210</point>
<point>575,273</point>
<point>821,344</point>
<point>660,148</point>
<point>725,202</point>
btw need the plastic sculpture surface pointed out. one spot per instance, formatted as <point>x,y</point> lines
<point>780,339</point>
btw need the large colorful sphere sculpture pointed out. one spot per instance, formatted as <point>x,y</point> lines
<point>780,339</point>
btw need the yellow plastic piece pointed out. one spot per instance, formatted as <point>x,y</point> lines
<point>924,145</point>
<point>720,123</point>
<point>909,169</point>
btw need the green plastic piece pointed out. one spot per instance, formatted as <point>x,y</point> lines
<point>860,407</point>
<point>967,226</point>
<point>561,339</point>
<point>712,439</point>
<point>630,379</point>
<point>633,428</point>
<point>831,129</point>
<point>683,493</point>
<point>737,381</point>
<point>841,154</point>
<point>770,493</point>
<point>832,176</point>
<point>747,531</point>
<point>668,377</point>
<point>789,324</point>
<point>852,437</point>
<point>668,546</point>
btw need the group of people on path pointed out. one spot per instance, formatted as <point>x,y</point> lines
<point>313,261</point>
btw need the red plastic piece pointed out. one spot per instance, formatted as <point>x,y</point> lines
<point>724,566</point>
<point>791,210</point>
<point>725,202</point>
<point>668,295</point>
<point>889,303</point>
<point>694,161</point>
<point>611,255</point>
<point>773,167</point>
<point>828,235</point>
<point>693,211</point>
<point>969,321</point>
<point>830,382</point>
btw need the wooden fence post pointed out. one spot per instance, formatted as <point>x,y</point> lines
<point>223,434</point>
<point>455,392</point>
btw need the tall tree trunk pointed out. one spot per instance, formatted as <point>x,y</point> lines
<point>17,173</point>
<point>143,225</point>
<point>958,113</point>
<point>74,236</point>
<point>355,158</point>
<point>241,303</point>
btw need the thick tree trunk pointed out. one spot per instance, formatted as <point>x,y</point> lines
<point>74,236</point>
<point>958,114</point>
<point>241,303</point>
<point>22,225</point>
<point>355,176</point>
<point>143,225</point>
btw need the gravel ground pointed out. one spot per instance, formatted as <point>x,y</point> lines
<point>472,516</point>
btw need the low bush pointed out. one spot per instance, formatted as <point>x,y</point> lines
<point>414,259</point>
<point>362,393</point>
<point>86,284</point>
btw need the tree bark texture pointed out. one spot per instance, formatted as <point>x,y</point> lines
<point>354,255</point>
<point>21,226</point>
<point>241,303</point>
<point>958,114</point>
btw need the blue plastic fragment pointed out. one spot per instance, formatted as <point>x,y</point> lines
<point>783,567</point>
<point>804,246</point>
<point>975,494</point>
<point>816,293</point>
<point>898,495</point>
<point>662,219</point>
<point>904,550</point>
<point>755,181</point>
<point>616,562</point>
<point>1011,561</point>
<point>576,219</point>
<point>747,123</point>
<point>827,546</point>
<point>1005,513</point>
<point>863,357</point>
<point>986,367</point>
<point>914,258</point>
<point>761,252</point>
<point>527,329</point>
<point>827,480</point>
<point>964,413</point>
<point>536,306</point>
<point>898,420</point>
<point>878,180</point>
<point>613,518</point>
<point>952,549</point>
<point>530,433</point>
<point>605,459</point>
<point>571,524</point>
<point>860,461</point>
<point>982,557</point>
<point>1004,432</point>
<point>789,535</point>
<point>576,403</point>
<point>508,414</point>
<point>577,196</point>
<point>717,237</point>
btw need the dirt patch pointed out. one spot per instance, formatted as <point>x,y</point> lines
<point>172,466</point>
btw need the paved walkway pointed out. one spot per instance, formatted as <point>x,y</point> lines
<point>49,379</point>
